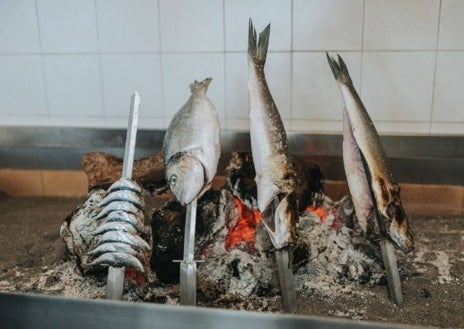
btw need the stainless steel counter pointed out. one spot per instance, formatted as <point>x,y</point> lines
<point>36,311</point>
<point>414,159</point>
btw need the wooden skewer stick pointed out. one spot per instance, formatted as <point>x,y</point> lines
<point>115,280</point>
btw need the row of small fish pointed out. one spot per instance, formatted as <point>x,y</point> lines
<point>120,244</point>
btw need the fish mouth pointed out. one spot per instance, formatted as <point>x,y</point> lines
<point>402,240</point>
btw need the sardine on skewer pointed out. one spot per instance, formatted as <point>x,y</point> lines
<point>275,176</point>
<point>369,160</point>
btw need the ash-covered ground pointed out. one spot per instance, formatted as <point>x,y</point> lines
<point>33,260</point>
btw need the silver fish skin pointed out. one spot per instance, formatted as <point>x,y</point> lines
<point>385,190</point>
<point>191,145</point>
<point>123,195</point>
<point>356,177</point>
<point>115,226</point>
<point>125,184</point>
<point>120,206</point>
<point>275,176</point>
<point>118,259</point>
<point>125,217</point>
<point>133,240</point>
<point>114,247</point>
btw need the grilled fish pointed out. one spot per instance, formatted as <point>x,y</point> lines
<point>367,171</point>
<point>191,145</point>
<point>275,176</point>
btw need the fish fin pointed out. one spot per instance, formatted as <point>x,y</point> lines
<point>257,46</point>
<point>339,69</point>
<point>196,86</point>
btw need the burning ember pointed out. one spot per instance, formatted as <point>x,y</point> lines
<point>244,230</point>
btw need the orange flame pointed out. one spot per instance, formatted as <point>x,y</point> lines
<point>244,231</point>
<point>320,212</point>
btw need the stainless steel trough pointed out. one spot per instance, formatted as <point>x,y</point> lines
<point>34,311</point>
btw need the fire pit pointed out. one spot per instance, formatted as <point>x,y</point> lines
<point>327,286</point>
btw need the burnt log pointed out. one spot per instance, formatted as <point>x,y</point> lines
<point>103,169</point>
<point>241,180</point>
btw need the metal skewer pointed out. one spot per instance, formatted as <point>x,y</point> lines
<point>286,278</point>
<point>391,268</point>
<point>188,267</point>
<point>115,280</point>
<point>287,281</point>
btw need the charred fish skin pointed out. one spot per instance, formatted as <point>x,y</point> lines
<point>191,145</point>
<point>275,176</point>
<point>386,192</point>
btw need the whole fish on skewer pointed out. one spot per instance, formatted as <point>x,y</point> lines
<point>191,155</point>
<point>367,166</point>
<point>191,145</point>
<point>275,176</point>
<point>375,194</point>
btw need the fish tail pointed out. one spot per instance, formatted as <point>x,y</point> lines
<point>197,86</point>
<point>257,46</point>
<point>339,69</point>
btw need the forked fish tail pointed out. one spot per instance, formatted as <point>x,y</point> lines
<point>257,46</point>
<point>339,70</point>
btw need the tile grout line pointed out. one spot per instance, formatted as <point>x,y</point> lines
<point>100,64</point>
<point>363,27</point>
<point>432,105</point>
<point>224,43</point>
<point>292,6</point>
<point>161,61</point>
<point>42,62</point>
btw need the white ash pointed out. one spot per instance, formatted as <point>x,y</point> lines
<point>78,228</point>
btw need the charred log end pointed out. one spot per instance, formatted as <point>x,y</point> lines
<point>103,169</point>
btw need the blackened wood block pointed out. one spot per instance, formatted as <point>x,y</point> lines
<point>103,169</point>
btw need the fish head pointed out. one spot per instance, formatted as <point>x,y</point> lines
<point>186,177</point>
<point>399,229</point>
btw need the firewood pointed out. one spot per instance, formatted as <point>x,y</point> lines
<point>103,169</point>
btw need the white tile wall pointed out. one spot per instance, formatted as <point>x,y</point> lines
<point>451,31</point>
<point>22,89</point>
<point>128,26</point>
<point>319,99</point>
<point>263,12</point>
<point>327,25</point>
<point>81,95</point>
<point>401,25</point>
<point>123,74</point>
<point>278,76</point>
<point>18,31</point>
<point>180,70</point>
<point>67,26</point>
<point>449,88</point>
<point>191,26</point>
<point>398,86</point>
<point>75,63</point>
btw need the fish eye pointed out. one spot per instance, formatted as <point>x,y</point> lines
<point>173,180</point>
